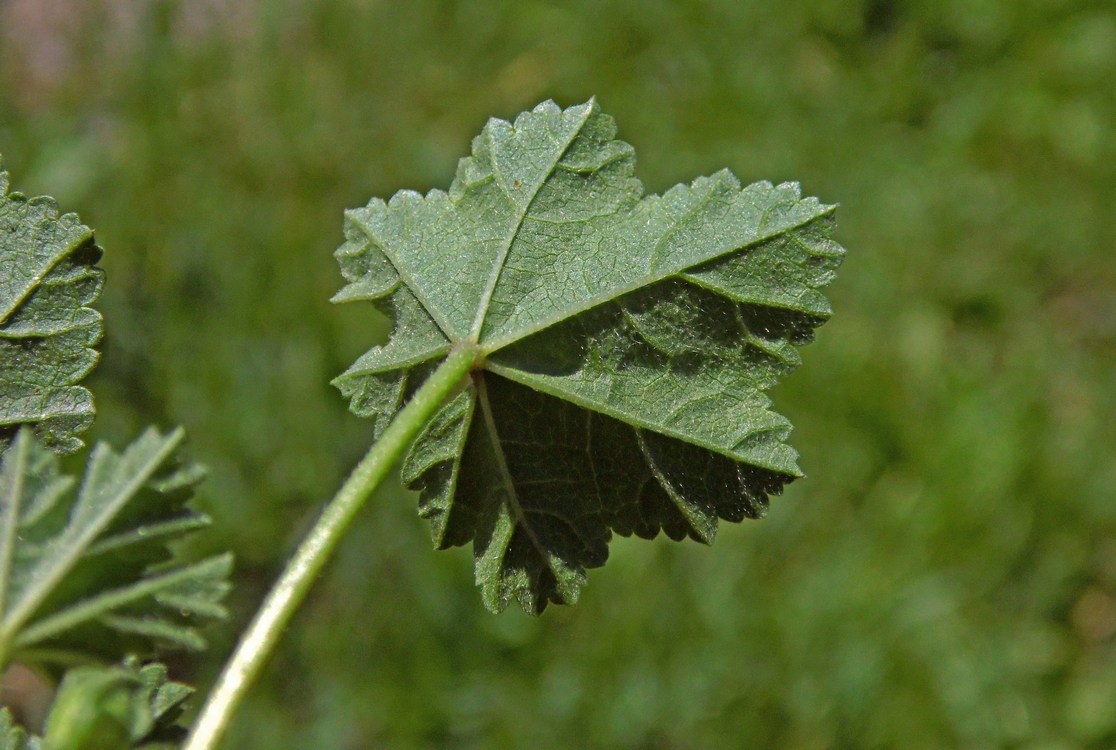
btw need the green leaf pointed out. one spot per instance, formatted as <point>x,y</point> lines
<point>47,278</point>
<point>627,341</point>
<point>92,711</point>
<point>13,736</point>
<point>88,574</point>
<point>114,708</point>
<point>108,708</point>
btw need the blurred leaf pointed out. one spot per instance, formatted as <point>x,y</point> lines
<point>628,342</point>
<point>47,277</point>
<point>113,708</point>
<point>91,576</point>
<point>13,737</point>
<point>93,710</point>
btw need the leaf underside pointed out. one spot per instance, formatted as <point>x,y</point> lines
<point>85,571</point>
<point>48,277</point>
<point>628,343</point>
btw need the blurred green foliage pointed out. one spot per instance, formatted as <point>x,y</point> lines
<point>944,577</point>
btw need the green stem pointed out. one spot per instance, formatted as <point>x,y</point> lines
<point>257,643</point>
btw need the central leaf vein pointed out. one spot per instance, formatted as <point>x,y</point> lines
<point>510,492</point>
<point>618,291</point>
<point>498,264</point>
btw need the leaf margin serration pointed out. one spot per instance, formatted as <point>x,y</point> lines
<point>61,255</point>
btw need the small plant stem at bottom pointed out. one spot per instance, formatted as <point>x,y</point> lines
<point>258,641</point>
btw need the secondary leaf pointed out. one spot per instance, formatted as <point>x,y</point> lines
<point>15,737</point>
<point>48,277</point>
<point>627,344</point>
<point>89,574</point>
<point>108,708</point>
<point>115,708</point>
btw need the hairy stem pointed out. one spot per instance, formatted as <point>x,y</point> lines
<point>259,640</point>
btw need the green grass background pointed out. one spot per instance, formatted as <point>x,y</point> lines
<point>946,574</point>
